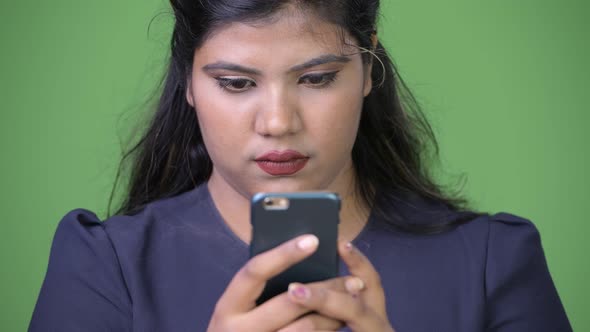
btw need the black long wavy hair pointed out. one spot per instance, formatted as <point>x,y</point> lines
<point>393,147</point>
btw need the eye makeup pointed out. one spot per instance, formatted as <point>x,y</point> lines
<point>235,84</point>
<point>242,84</point>
<point>319,80</point>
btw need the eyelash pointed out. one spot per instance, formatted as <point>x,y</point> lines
<point>226,83</point>
<point>327,79</point>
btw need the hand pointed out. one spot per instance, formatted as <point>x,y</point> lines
<point>361,306</point>
<point>236,309</point>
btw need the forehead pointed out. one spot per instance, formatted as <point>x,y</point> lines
<point>288,36</point>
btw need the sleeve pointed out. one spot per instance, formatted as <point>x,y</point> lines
<point>84,289</point>
<point>520,293</point>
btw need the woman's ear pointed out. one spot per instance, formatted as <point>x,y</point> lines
<point>368,86</point>
<point>374,39</point>
<point>189,93</point>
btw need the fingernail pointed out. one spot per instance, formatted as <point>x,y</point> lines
<point>299,292</point>
<point>354,285</point>
<point>348,246</point>
<point>308,242</point>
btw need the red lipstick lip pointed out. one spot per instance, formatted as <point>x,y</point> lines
<point>281,156</point>
<point>286,162</point>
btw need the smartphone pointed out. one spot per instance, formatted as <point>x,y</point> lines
<point>279,217</point>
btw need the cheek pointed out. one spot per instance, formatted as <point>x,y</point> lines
<point>334,117</point>
<point>222,121</point>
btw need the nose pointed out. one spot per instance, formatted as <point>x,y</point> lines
<point>279,114</point>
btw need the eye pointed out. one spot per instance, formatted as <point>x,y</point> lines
<point>318,80</point>
<point>235,84</point>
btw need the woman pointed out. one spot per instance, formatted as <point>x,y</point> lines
<point>266,96</point>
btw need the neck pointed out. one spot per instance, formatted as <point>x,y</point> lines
<point>234,207</point>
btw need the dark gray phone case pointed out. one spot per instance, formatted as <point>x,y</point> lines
<point>308,213</point>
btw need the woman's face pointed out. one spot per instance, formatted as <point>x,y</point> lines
<point>279,105</point>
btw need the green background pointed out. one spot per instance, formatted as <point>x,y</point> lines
<point>504,83</point>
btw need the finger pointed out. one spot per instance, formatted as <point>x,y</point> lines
<point>360,266</point>
<point>248,283</point>
<point>278,310</point>
<point>339,284</point>
<point>276,313</point>
<point>340,306</point>
<point>348,284</point>
<point>313,322</point>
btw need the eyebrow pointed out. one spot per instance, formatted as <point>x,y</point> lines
<point>328,58</point>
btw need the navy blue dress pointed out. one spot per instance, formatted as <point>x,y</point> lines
<point>164,268</point>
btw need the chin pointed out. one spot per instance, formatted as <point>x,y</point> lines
<point>286,184</point>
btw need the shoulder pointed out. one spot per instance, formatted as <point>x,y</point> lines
<point>519,289</point>
<point>503,254</point>
<point>509,234</point>
<point>426,216</point>
<point>78,231</point>
<point>169,211</point>
<point>513,247</point>
<point>128,235</point>
<point>482,238</point>
<point>84,223</point>
<point>496,240</point>
<point>82,246</point>
<point>83,272</point>
<point>507,242</point>
<point>500,229</point>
